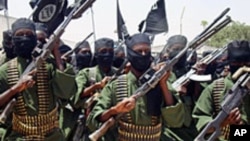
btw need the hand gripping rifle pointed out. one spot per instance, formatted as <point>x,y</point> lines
<point>141,91</point>
<point>206,60</point>
<point>197,41</point>
<point>118,72</point>
<point>231,100</point>
<point>44,53</point>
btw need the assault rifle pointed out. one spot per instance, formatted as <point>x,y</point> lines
<point>231,100</point>
<point>206,60</point>
<point>48,47</point>
<point>44,52</point>
<point>118,72</point>
<point>140,92</point>
<point>81,132</point>
<point>197,41</point>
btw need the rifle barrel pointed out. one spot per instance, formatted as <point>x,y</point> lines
<point>216,20</point>
<point>71,51</point>
<point>151,83</point>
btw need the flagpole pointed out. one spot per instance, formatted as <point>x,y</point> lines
<point>34,9</point>
<point>7,18</point>
<point>93,22</point>
<point>182,14</point>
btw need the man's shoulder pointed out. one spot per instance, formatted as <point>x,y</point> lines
<point>2,57</point>
<point>4,68</point>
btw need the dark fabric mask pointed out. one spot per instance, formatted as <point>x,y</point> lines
<point>233,68</point>
<point>24,45</point>
<point>182,61</point>
<point>210,69</point>
<point>118,62</point>
<point>190,64</point>
<point>104,59</point>
<point>83,60</point>
<point>221,66</point>
<point>9,50</point>
<point>140,62</point>
<point>8,45</point>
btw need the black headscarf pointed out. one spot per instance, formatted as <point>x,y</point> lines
<point>22,23</point>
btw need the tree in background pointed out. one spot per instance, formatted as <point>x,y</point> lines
<point>204,23</point>
<point>234,31</point>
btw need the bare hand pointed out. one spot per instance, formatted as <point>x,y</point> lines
<point>182,89</point>
<point>126,105</point>
<point>25,82</point>
<point>159,66</point>
<point>234,117</point>
<point>200,67</point>
<point>165,78</point>
<point>127,68</point>
<point>104,81</point>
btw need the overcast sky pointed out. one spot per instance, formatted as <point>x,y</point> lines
<point>134,11</point>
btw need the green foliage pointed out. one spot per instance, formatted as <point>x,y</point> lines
<point>234,31</point>
<point>204,23</point>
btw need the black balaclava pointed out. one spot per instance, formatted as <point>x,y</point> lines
<point>8,45</point>
<point>24,45</point>
<point>211,68</point>
<point>175,44</point>
<point>221,62</point>
<point>138,61</point>
<point>64,49</point>
<point>104,59</point>
<point>83,60</point>
<point>238,51</point>
<point>118,60</point>
<point>180,41</point>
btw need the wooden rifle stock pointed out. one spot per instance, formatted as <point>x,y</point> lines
<point>7,110</point>
<point>141,91</point>
<point>102,130</point>
<point>44,53</point>
<point>231,100</point>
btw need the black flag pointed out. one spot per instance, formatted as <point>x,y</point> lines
<point>49,12</point>
<point>121,28</point>
<point>156,21</point>
<point>3,5</point>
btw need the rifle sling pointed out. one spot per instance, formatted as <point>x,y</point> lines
<point>122,92</point>
<point>128,130</point>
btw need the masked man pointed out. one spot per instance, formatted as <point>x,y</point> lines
<point>143,121</point>
<point>35,114</point>
<point>208,104</point>
<point>83,55</point>
<point>8,48</point>
<point>91,80</point>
